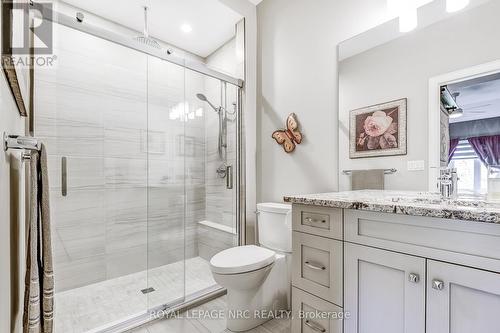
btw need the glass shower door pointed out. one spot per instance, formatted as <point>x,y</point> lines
<point>166,183</point>
<point>210,145</point>
<point>143,178</point>
<point>91,113</point>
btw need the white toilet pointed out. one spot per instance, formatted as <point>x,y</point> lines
<point>257,278</point>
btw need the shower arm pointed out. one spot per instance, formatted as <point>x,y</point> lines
<point>146,29</point>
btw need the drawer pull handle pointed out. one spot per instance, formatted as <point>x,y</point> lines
<point>437,284</point>
<point>314,266</point>
<point>315,327</point>
<point>64,176</point>
<point>311,220</point>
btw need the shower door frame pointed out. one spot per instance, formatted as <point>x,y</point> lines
<point>240,214</point>
<point>70,22</point>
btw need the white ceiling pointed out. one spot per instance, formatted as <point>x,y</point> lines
<point>213,23</point>
<point>479,98</point>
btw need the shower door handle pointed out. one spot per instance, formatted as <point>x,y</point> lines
<point>229,177</point>
<point>64,176</point>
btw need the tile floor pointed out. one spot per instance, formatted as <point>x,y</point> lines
<point>98,305</point>
<point>206,325</point>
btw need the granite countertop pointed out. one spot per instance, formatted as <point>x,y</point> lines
<point>468,208</point>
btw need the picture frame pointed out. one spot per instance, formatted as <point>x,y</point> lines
<point>378,130</point>
<point>13,28</point>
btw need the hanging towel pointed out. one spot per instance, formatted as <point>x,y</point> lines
<point>38,314</point>
<point>367,179</point>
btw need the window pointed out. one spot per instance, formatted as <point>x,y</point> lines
<point>471,171</point>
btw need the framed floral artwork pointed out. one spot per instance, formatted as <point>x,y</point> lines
<point>378,130</point>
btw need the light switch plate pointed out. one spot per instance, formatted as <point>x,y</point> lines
<point>416,165</point>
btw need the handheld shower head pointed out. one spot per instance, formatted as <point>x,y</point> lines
<point>201,97</point>
<point>204,98</point>
<point>221,112</point>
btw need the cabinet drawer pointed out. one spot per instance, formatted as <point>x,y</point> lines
<point>317,266</point>
<point>321,221</point>
<point>314,315</point>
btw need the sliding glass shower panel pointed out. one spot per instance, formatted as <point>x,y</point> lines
<point>91,113</point>
<point>166,182</point>
<point>210,143</point>
<point>143,178</point>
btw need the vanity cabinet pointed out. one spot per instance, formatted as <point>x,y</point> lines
<point>394,273</point>
<point>384,291</point>
<point>317,269</point>
<point>462,299</point>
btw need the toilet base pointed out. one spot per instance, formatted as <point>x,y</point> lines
<point>252,304</point>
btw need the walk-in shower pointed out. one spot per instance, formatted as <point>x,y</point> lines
<point>138,206</point>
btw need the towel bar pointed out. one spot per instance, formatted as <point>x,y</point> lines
<point>386,171</point>
<point>20,142</point>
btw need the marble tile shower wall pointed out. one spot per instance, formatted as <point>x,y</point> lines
<point>220,202</point>
<point>108,110</point>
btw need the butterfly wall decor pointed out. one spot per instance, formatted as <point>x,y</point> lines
<point>290,136</point>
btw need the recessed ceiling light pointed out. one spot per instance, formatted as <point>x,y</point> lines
<point>186,28</point>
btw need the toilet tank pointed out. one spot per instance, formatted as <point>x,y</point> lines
<point>274,226</point>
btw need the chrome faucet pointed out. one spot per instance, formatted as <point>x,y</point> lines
<point>448,183</point>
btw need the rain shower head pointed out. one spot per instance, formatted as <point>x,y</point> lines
<point>204,98</point>
<point>145,39</point>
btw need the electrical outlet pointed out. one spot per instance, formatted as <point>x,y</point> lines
<point>416,165</point>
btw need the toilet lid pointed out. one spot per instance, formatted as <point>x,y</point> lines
<point>241,259</point>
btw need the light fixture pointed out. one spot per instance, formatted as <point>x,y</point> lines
<point>456,5</point>
<point>456,113</point>
<point>186,28</point>
<point>408,19</point>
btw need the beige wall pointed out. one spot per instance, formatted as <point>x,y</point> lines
<point>297,72</point>
<point>11,217</point>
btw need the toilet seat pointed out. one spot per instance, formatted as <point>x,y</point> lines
<point>241,259</point>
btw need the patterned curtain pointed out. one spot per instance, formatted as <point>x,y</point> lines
<point>487,148</point>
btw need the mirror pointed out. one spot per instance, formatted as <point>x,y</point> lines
<point>458,52</point>
<point>470,133</point>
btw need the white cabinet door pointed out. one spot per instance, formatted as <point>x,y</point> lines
<point>384,292</point>
<point>462,299</point>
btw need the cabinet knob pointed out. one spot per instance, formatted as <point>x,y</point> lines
<point>437,284</point>
<point>414,278</point>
